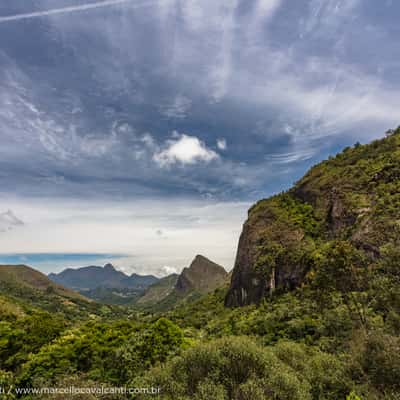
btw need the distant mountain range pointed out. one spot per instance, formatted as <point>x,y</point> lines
<point>110,286</point>
<point>94,277</point>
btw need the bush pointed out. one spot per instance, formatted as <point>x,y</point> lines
<point>235,368</point>
<point>380,360</point>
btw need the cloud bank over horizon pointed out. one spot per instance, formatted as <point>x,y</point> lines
<point>166,103</point>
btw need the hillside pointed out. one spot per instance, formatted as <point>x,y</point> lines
<point>159,290</point>
<point>23,287</point>
<point>28,278</point>
<point>352,197</point>
<point>201,277</point>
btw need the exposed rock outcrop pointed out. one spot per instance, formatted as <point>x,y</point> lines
<point>353,196</point>
<point>202,276</point>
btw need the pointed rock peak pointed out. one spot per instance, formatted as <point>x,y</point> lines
<point>199,257</point>
<point>203,262</point>
<point>109,267</point>
<point>203,276</point>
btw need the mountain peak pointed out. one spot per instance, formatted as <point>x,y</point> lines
<point>199,257</point>
<point>203,275</point>
<point>109,267</point>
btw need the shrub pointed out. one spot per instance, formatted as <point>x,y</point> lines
<point>236,368</point>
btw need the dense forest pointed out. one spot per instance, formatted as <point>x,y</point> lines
<point>320,318</point>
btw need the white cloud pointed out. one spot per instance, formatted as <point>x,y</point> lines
<point>8,221</point>
<point>128,228</point>
<point>167,270</point>
<point>184,149</point>
<point>221,144</point>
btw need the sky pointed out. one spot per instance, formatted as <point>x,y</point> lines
<point>141,131</point>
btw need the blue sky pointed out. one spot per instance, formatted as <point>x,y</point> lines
<point>147,127</point>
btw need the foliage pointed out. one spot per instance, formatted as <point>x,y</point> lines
<point>105,351</point>
<point>235,367</point>
<point>27,336</point>
<point>6,385</point>
<point>352,396</point>
<point>155,344</point>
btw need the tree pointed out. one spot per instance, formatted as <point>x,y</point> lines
<point>342,268</point>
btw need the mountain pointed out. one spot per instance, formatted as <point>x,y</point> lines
<point>201,277</point>
<point>354,196</point>
<point>27,277</point>
<point>93,277</point>
<point>23,288</point>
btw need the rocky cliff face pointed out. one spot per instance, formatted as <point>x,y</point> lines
<point>354,196</point>
<point>202,276</point>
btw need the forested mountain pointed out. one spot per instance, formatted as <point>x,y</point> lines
<point>105,284</point>
<point>22,289</point>
<point>201,277</point>
<point>353,197</point>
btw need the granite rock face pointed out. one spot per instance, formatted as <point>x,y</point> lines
<point>353,196</point>
<point>202,276</point>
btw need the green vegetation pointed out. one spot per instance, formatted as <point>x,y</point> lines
<point>22,288</point>
<point>336,335</point>
<point>306,344</point>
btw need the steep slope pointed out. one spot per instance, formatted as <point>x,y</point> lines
<point>354,196</point>
<point>26,277</point>
<point>159,290</point>
<point>23,288</point>
<point>202,276</point>
<point>93,277</point>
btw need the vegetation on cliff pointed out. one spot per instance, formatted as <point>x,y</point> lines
<point>318,278</point>
<point>353,197</point>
